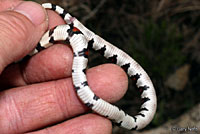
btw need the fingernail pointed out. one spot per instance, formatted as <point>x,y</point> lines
<point>33,11</point>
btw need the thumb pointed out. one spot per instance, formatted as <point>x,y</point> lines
<point>21,29</point>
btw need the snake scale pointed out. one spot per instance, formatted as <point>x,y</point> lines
<point>80,38</point>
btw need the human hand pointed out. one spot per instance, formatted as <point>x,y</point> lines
<point>38,96</point>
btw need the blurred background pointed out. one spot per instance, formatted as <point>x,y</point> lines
<point>163,36</point>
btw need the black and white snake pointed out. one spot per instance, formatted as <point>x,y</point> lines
<point>80,38</point>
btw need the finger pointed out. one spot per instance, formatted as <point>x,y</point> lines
<point>86,124</point>
<point>21,29</point>
<point>54,63</point>
<point>51,64</point>
<point>35,106</point>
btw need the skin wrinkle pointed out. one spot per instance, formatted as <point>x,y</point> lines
<point>23,74</point>
<point>66,92</point>
<point>61,96</point>
<point>15,111</point>
<point>3,62</point>
<point>31,107</point>
<point>41,105</point>
<point>17,27</point>
<point>21,29</point>
<point>18,114</point>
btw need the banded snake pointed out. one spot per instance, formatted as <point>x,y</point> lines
<point>80,38</point>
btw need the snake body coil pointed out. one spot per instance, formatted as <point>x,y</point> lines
<point>80,38</point>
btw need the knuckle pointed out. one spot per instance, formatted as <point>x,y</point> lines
<point>63,97</point>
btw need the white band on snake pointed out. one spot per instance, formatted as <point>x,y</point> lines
<point>80,38</point>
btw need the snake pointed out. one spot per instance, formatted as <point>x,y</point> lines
<point>81,39</point>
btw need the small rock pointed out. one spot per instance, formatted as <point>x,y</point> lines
<point>179,79</point>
